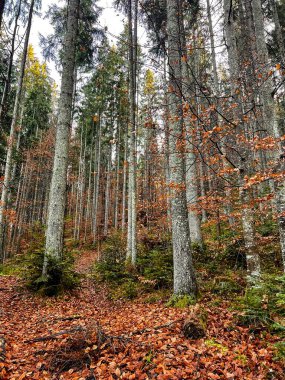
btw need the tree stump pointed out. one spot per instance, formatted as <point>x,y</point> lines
<point>194,326</point>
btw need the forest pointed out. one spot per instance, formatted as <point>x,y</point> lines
<point>142,181</point>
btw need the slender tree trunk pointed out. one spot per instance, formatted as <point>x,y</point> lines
<point>107,194</point>
<point>184,275</point>
<point>124,182</point>
<point>228,208</point>
<point>78,186</point>
<point>167,155</point>
<point>117,187</point>
<point>278,30</point>
<point>9,160</point>
<point>190,156</point>
<point>88,203</point>
<point>131,237</point>
<point>97,181</point>
<point>247,220</point>
<point>57,199</point>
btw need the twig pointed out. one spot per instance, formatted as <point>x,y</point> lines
<point>70,318</point>
<point>55,335</point>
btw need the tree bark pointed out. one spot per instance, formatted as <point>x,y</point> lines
<point>131,236</point>
<point>57,201</point>
<point>184,275</point>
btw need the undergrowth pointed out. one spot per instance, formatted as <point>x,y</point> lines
<point>60,275</point>
<point>153,271</point>
<point>263,305</point>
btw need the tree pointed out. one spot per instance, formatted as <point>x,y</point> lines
<point>57,201</point>
<point>184,275</point>
<point>132,219</point>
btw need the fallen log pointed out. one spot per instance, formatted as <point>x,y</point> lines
<point>194,326</point>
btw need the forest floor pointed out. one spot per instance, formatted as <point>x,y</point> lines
<point>85,335</point>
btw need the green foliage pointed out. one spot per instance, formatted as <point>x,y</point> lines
<point>201,255</point>
<point>10,267</point>
<point>279,351</point>
<point>156,265</point>
<point>264,304</point>
<point>60,274</point>
<point>234,255</point>
<point>154,269</point>
<point>267,227</point>
<point>148,358</point>
<point>226,286</point>
<point>127,290</point>
<point>181,301</point>
<point>111,265</point>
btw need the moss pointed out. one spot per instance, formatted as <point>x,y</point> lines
<point>241,359</point>
<point>181,301</point>
<point>219,346</point>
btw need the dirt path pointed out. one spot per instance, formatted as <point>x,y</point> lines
<point>227,352</point>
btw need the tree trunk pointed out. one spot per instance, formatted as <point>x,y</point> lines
<point>97,180</point>
<point>9,159</point>
<point>131,237</point>
<point>123,221</point>
<point>247,220</point>
<point>278,30</point>
<point>184,275</point>
<point>107,193</point>
<point>57,200</point>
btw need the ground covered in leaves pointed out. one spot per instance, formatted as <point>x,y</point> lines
<point>84,335</point>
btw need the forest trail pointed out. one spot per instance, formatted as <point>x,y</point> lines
<point>107,339</point>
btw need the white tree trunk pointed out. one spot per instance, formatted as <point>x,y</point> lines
<point>184,275</point>
<point>131,236</point>
<point>57,199</point>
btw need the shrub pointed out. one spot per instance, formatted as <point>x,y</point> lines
<point>111,266</point>
<point>264,304</point>
<point>226,286</point>
<point>267,227</point>
<point>60,274</point>
<point>234,255</point>
<point>157,265</point>
<point>128,290</point>
<point>154,269</point>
